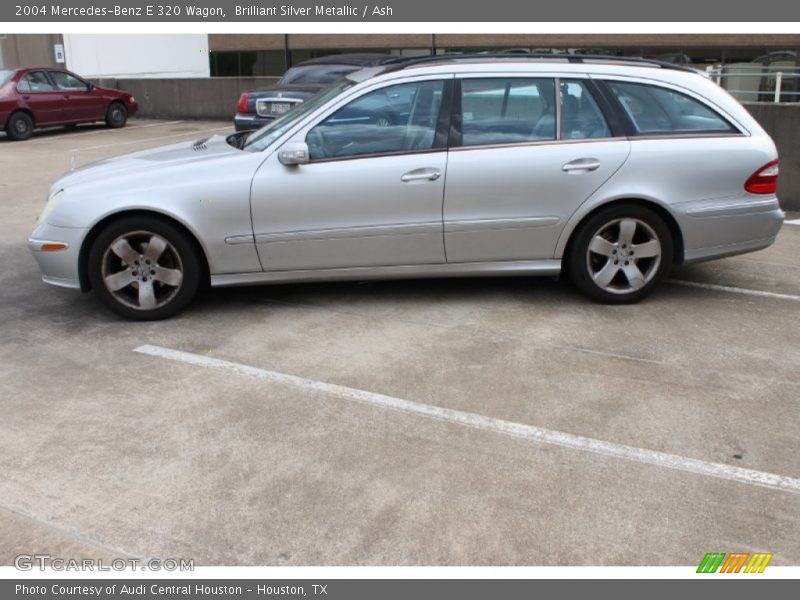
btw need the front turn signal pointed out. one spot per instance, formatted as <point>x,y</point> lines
<point>52,247</point>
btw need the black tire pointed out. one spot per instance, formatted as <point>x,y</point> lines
<point>586,269</point>
<point>179,254</point>
<point>19,126</point>
<point>116,115</point>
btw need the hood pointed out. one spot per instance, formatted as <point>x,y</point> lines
<point>182,153</point>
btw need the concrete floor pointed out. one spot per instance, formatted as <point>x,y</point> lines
<point>105,452</point>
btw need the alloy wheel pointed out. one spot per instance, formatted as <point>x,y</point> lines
<point>142,270</point>
<point>623,255</point>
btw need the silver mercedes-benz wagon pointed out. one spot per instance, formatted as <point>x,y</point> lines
<point>607,169</point>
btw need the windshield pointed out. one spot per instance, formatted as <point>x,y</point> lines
<point>5,76</point>
<point>262,138</point>
<point>323,74</point>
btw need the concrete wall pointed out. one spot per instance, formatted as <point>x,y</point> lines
<point>782,122</point>
<point>213,98</point>
<point>137,55</point>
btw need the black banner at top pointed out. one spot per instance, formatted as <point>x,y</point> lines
<point>319,11</point>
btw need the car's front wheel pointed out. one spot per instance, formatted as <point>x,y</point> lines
<point>116,115</point>
<point>144,268</point>
<point>19,126</point>
<point>620,254</point>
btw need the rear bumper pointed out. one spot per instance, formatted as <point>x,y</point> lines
<point>59,268</point>
<point>724,227</point>
<point>249,122</point>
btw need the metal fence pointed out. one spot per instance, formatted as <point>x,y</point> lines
<point>759,83</point>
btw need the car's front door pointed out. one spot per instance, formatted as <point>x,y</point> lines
<point>371,194</point>
<point>531,150</point>
<point>80,103</point>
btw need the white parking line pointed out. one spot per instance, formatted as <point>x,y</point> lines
<point>734,290</point>
<point>79,133</point>
<point>792,222</point>
<point>475,421</point>
<point>127,127</point>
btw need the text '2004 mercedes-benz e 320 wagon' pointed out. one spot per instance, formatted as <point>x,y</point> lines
<point>610,170</point>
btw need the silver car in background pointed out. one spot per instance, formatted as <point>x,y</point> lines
<point>610,170</point>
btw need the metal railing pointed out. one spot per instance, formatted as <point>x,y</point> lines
<point>758,83</point>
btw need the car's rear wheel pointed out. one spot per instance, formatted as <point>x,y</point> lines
<point>116,115</point>
<point>19,126</point>
<point>144,268</point>
<point>620,254</point>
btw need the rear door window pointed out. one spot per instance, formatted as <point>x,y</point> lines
<point>656,110</point>
<point>507,110</point>
<point>35,81</point>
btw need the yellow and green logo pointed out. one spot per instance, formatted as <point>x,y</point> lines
<point>734,562</point>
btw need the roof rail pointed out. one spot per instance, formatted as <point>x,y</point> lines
<point>403,63</point>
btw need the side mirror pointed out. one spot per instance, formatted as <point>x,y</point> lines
<point>293,153</point>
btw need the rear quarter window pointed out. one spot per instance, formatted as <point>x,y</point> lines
<point>655,110</point>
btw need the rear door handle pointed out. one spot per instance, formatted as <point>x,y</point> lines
<point>581,164</point>
<point>421,175</point>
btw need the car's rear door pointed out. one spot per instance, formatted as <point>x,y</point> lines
<point>526,151</point>
<point>40,95</point>
<point>372,192</point>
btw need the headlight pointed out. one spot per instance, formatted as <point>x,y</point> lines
<point>52,202</point>
<point>132,100</point>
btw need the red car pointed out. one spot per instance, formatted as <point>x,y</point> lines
<point>43,97</point>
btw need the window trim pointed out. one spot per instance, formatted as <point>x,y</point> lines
<point>633,134</point>
<point>441,133</point>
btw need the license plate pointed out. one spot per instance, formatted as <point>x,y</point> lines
<point>278,108</point>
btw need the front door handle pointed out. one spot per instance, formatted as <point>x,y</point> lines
<point>581,164</point>
<point>421,175</point>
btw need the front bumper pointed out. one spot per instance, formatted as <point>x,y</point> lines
<point>725,227</point>
<point>250,122</point>
<point>59,267</point>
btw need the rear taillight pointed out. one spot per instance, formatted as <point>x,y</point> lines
<point>765,180</point>
<point>244,100</point>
